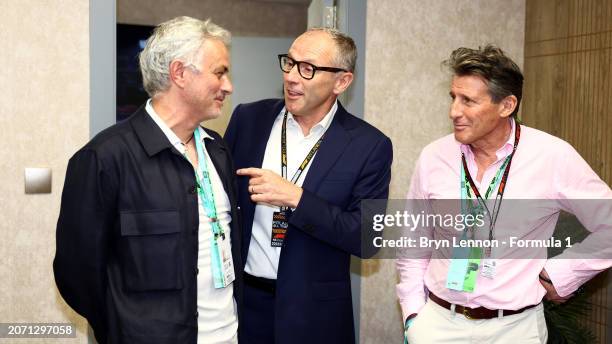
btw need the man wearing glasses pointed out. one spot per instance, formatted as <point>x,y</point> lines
<point>304,165</point>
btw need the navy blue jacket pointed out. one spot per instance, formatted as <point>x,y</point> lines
<point>313,291</point>
<point>127,234</point>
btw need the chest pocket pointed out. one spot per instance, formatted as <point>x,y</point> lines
<point>149,250</point>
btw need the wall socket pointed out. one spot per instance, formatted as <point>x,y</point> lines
<point>37,180</point>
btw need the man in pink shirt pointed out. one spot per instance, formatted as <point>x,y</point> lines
<point>490,158</point>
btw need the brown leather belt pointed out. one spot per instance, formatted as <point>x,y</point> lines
<point>476,313</point>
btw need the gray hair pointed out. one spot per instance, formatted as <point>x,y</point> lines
<point>177,39</point>
<point>346,54</point>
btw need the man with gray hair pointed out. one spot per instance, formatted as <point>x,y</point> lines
<point>305,165</point>
<point>148,244</point>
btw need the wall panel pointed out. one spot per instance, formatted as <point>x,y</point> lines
<point>568,61</point>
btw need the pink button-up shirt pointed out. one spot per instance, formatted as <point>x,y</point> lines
<point>543,168</point>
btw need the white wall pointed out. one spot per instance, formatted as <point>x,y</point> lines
<point>44,119</point>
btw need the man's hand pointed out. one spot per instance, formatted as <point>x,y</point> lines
<point>268,187</point>
<point>551,292</point>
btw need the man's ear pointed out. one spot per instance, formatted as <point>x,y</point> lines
<point>508,105</point>
<point>177,73</point>
<point>343,82</point>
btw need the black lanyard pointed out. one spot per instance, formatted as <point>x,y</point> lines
<point>502,183</point>
<point>304,163</point>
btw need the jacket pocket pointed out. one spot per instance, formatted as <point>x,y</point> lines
<point>149,250</point>
<point>336,290</point>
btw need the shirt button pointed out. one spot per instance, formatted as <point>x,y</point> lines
<point>192,190</point>
<point>197,271</point>
<point>196,314</point>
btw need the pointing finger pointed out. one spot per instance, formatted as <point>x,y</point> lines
<point>251,171</point>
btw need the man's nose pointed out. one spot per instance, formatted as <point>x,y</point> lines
<point>455,110</point>
<point>227,86</point>
<point>293,75</point>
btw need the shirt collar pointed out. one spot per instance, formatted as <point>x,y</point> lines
<point>502,152</point>
<point>174,140</point>
<point>319,127</point>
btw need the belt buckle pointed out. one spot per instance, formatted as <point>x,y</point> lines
<point>466,313</point>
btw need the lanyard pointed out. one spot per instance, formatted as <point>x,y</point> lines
<point>466,179</point>
<point>304,163</point>
<point>205,190</point>
<point>220,252</point>
<point>494,183</point>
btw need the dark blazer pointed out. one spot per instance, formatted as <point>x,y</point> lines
<point>127,234</point>
<point>313,294</point>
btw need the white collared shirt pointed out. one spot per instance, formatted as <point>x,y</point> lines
<point>262,259</point>
<point>217,320</point>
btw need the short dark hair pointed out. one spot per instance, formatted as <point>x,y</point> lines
<point>502,76</point>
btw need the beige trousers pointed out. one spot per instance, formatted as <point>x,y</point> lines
<point>436,324</point>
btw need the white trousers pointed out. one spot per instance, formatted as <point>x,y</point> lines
<point>436,324</point>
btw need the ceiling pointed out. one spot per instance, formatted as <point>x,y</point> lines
<point>296,2</point>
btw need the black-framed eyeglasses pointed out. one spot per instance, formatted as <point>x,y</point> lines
<point>306,69</point>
